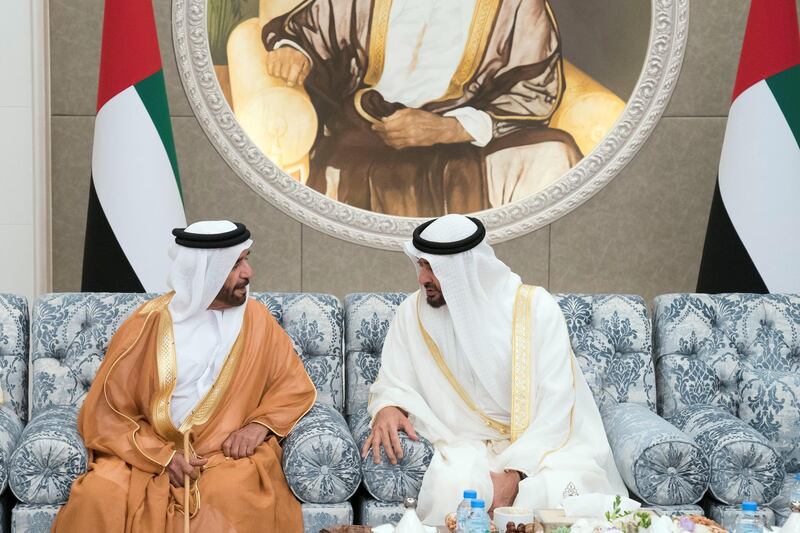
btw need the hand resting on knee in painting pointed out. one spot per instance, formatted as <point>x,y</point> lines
<point>387,423</point>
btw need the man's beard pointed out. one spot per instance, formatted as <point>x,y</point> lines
<point>229,297</point>
<point>435,301</point>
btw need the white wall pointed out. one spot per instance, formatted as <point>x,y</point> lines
<point>24,212</point>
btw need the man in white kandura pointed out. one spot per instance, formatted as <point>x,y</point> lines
<point>481,366</point>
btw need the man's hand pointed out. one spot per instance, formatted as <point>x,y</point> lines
<point>288,64</point>
<point>506,485</point>
<point>414,127</point>
<point>179,466</point>
<point>384,431</point>
<point>243,442</point>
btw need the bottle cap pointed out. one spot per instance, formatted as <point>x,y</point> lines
<point>410,503</point>
<point>749,506</point>
<point>471,494</point>
<point>477,504</point>
<point>797,476</point>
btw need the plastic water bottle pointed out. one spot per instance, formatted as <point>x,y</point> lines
<point>478,521</point>
<point>792,525</point>
<point>748,521</point>
<point>462,513</point>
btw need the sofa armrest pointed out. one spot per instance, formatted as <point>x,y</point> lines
<point>49,457</point>
<point>744,465</point>
<point>659,463</point>
<point>320,458</point>
<point>385,481</point>
<point>10,432</point>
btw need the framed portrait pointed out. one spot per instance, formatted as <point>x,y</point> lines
<point>361,118</point>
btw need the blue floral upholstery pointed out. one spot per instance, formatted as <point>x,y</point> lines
<point>738,353</point>
<point>70,334</point>
<point>27,518</point>
<point>367,319</point>
<point>321,458</point>
<point>10,432</point>
<point>725,515</point>
<point>49,458</point>
<point>14,353</point>
<point>781,504</point>
<point>374,513</point>
<point>611,339</point>
<point>69,337</point>
<point>14,344</point>
<point>317,516</point>
<point>315,324</point>
<point>387,482</point>
<point>610,336</point>
<point>657,461</point>
<point>744,466</point>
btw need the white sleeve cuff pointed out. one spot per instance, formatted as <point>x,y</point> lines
<point>477,123</point>
<point>287,42</point>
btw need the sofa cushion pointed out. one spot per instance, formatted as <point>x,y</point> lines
<point>33,518</point>
<point>744,465</point>
<point>610,335</point>
<point>770,404</point>
<point>10,433</point>
<point>69,337</point>
<point>320,458</point>
<point>703,342</point>
<point>14,343</point>
<point>661,464</point>
<point>50,456</point>
<point>318,516</point>
<point>367,319</point>
<point>315,324</point>
<point>388,482</point>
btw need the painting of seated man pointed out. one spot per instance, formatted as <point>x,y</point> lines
<point>413,108</point>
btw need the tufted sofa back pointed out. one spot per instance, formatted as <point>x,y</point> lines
<point>367,319</point>
<point>14,353</point>
<point>71,332</point>
<point>611,338</point>
<point>740,352</point>
<point>315,322</point>
<point>610,335</point>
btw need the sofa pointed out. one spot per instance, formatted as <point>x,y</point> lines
<point>728,373</point>
<point>611,338</point>
<point>702,406</point>
<point>14,390</point>
<point>69,337</point>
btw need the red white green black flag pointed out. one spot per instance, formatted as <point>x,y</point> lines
<point>752,243</point>
<point>135,198</point>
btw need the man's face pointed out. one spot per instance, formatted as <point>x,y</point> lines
<point>234,292</point>
<point>433,289</point>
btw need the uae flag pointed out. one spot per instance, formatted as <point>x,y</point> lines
<point>753,238</point>
<point>135,195</point>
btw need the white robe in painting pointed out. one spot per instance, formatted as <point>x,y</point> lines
<point>564,450</point>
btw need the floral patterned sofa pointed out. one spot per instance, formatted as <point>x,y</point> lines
<point>14,387</point>
<point>611,337</point>
<point>70,334</point>
<point>728,373</point>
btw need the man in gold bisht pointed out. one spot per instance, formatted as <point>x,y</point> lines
<point>428,107</point>
<point>204,360</point>
<point>481,366</point>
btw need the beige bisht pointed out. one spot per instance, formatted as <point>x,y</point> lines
<point>126,424</point>
<point>490,379</point>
